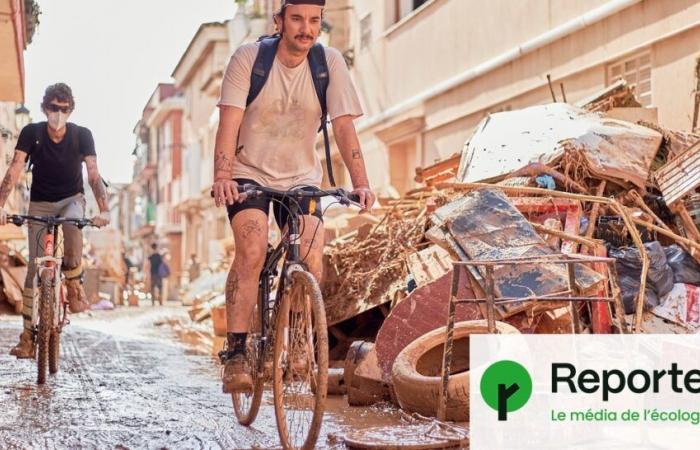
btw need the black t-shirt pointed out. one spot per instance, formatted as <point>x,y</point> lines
<point>155,260</point>
<point>57,171</point>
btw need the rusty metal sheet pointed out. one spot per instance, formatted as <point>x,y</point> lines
<point>680,175</point>
<point>487,226</point>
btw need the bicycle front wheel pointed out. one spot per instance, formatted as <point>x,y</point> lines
<point>54,350</point>
<point>46,303</point>
<point>300,363</point>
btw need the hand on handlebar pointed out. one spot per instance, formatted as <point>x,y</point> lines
<point>101,220</point>
<point>225,192</point>
<point>366,197</point>
<point>3,216</point>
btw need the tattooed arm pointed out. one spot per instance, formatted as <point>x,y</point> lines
<point>10,180</point>
<point>98,188</point>
<point>11,176</point>
<point>224,188</point>
<point>349,147</point>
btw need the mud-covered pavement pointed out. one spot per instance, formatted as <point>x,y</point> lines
<point>125,382</point>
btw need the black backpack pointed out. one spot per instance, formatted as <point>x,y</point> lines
<point>319,73</point>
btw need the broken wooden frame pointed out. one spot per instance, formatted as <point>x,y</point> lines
<point>491,301</point>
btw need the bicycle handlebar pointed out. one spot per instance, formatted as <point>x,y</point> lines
<point>19,220</point>
<point>253,191</point>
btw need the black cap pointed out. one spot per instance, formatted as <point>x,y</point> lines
<point>320,3</point>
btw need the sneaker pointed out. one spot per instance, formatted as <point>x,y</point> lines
<point>25,348</point>
<point>77,300</point>
<point>236,375</point>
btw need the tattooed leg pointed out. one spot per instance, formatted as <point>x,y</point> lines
<point>250,235</point>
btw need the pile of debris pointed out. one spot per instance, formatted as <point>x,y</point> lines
<point>532,188</point>
<point>13,271</point>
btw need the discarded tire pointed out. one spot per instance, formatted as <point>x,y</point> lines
<point>416,373</point>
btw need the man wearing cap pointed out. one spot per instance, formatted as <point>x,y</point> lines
<point>271,142</point>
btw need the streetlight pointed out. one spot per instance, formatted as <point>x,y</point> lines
<point>22,118</point>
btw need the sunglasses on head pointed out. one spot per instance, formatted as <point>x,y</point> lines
<point>56,108</point>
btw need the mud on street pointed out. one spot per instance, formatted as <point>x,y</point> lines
<point>128,381</point>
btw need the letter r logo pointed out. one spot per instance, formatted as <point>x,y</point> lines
<point>506,386</point>
<point>503,395</point>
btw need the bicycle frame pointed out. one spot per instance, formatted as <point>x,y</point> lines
<point>289,245</point>
<point>50,262</point>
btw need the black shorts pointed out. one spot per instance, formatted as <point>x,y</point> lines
<point>263,204</point>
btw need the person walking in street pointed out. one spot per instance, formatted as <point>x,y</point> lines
<point>195,268</point>
<point>56,150</point>
<point>267,137</point>
<point>158,271</point>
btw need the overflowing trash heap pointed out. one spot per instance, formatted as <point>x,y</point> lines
<point>597,179</point>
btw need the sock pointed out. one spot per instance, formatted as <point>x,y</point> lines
<point>236,343</point>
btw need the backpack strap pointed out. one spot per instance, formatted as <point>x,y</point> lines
<point>320,75</point>
<point>261,68</point>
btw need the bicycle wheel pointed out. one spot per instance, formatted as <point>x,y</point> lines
<point>247,404</point>
<point>300,363</point>
<point>54,350</point>
<point>46,302</point>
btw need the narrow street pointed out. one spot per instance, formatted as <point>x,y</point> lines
<point>128,382</point>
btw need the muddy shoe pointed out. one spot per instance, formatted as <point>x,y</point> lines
<point>77,300</point>
<point>25,348</point>
<point>236,375</point>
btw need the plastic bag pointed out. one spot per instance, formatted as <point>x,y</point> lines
<point>685,269</point>
<point>629,270</point>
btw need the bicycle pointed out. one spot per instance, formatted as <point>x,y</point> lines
<point>289,328</point>
<point>50,308</point>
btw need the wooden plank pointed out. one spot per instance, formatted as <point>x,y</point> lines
<point>571,226</point>
<point>680,175</point>
<point>429,264</point>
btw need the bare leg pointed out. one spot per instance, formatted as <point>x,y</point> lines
<point>250,232</point>
<point>312,240</point>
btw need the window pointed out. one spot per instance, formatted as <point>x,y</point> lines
<point>366,31</point>
<point>636,70</point>
<point>406,7</point>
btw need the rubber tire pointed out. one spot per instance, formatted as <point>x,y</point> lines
<point>419,393</point>
<point>321,387</point>
<point>246,418</point>
<point>46,300</point>
<point>54,351</point>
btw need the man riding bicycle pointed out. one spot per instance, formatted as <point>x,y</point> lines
<point>270,141</point>
<point>56,150</point>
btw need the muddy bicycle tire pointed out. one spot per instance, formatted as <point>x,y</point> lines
<point>247,404</point>
<point>54,350</point>
<point>311,380</point>
<point>46,299</point>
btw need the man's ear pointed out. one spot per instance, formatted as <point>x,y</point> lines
<point>279,23</point>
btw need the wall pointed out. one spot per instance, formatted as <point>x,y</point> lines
<point>398,65</point>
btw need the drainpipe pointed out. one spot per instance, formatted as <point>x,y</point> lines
<point>595,15</point>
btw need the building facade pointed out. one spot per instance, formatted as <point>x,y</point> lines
<point>428,71</point>
<point>19,21</point>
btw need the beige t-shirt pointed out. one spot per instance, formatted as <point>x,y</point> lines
<point>276,143</point>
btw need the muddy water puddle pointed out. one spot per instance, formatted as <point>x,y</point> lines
<point>128,381</point>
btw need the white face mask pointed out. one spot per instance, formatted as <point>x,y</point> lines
<point>57,120</point>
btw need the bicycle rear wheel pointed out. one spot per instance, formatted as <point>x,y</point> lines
<point>247,404</point>
<point>300,363</point>
<point>46,303</point>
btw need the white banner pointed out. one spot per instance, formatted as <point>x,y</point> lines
<point>584,391</point>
